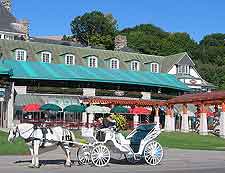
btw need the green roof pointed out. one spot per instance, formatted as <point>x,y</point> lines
<point>58,51</point>
<point>5,71</point>
<point>61,72</point>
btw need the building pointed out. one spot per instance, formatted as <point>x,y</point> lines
<point>31,69</point>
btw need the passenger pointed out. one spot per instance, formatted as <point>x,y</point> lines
<point>108,121</point>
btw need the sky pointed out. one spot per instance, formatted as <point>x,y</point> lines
<point>196,17</point>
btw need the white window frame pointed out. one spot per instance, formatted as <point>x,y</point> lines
<point>69,56</point>
<point>50,57</point>
<point>133,67</point>
<point>92,61</point>
<point>112,63</point>
<point>8,37</point>
<point>153,70</point>
<point>19,57</point>
<point>183,69</point>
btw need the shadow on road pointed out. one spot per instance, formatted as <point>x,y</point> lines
<point>46,162</point>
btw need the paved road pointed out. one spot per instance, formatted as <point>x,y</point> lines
<point>175,161</point>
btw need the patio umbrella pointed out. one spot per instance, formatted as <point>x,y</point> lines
<point>50,107</point>
<point>119,109</point>
<point>31,108</point>
<point>139,110</point>
<point>74,108</point>
<point>98,109</point>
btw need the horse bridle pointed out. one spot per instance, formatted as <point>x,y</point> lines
<point>18,131</point>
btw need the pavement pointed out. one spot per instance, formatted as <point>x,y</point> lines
<point>174,161</point>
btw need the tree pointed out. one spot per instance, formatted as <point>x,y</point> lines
<point>94,29</point>
<point>150,39</point>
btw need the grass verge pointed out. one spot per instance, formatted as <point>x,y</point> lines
<point>191,141</point>
<point>17,148</point>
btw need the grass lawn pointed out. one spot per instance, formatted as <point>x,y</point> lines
<point>191,141</point>
<point>6,148</point>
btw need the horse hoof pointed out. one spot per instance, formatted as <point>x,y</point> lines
<point>31,166</point>
<point>67,166</point>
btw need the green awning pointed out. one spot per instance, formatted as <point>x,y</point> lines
<point>119,109</point>
<point>5,70</point>
<point>61,72</point>
<point>74,108</point>
<point>50,107</point>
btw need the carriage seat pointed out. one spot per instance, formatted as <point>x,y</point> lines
<point>141,133</point>
<point>121,139</point>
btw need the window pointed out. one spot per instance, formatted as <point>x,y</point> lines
<point>92,62</point>
<point>8,37</point>
<point>46,57</point>
<point>21,55</point>
<point>69,59</point>
<point>183,69</point>
<point>154,67</point>
<point>114,63</point>
<point>135,66</point>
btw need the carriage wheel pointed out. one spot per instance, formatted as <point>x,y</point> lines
<point>153,153</point>
<point>100,155</point>
<point>130,158</point>
<point>83,155</point>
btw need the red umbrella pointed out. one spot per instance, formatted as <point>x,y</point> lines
<point>139,110</point>
<point>31,108</point>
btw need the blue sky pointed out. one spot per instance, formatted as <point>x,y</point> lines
<point>196,17</point>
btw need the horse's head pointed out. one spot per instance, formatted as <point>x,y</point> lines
<point>13,134</point>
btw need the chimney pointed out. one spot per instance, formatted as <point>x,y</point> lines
<point>120,42</point>
<point>7,4</point>
<point>25,28</point>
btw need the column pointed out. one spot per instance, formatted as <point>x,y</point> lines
<point>146,95</point>
<point>222,121</point>
<point>135,120</point>
<point>203,129</point>
<point>184,123</point>
<point>168,119</point>
<point>156,118</point>
<point>10,107</point>
<point>172,120</point>
<point>83,123</point>
<point>89,91</point>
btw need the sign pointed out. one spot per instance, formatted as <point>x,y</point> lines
<point>192,81</point>
<point>119,93</point>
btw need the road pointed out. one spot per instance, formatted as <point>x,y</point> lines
<point>175,161</point>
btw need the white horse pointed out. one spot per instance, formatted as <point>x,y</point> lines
<point>38,140</point>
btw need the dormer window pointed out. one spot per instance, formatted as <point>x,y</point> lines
<point>183,69</point>
<point>46,57</point>
<point>135,65</point>
<point>69,59</point>
<point>154,67</point>
<point>114,63</point>
<point>92,62</point>
<point>21,55</point>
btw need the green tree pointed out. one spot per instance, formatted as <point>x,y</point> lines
<point>94,29</point>
<point>149,39</point>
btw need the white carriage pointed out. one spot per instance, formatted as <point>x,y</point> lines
<point>139,144</point>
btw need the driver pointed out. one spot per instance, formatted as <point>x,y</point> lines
<point>108,121</point>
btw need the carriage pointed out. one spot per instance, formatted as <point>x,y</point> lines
<point>138,145</point>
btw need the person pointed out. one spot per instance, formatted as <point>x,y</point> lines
<point>108,121</point>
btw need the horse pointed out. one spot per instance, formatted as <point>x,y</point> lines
<point>40,138</point>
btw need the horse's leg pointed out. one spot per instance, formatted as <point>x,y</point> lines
<point>66,149</point>
<point>32,155</point>
<point>36,150</point>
